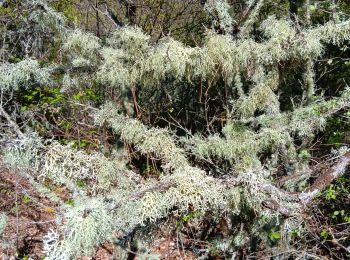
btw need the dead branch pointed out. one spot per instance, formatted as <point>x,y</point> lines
<point>325,179</point>
<point>11,123</point>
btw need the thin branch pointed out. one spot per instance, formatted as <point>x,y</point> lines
<point>12,123</point>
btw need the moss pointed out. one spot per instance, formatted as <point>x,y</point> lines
<point>70,9</point>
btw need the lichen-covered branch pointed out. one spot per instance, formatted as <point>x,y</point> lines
<point>152,141</point>
<point>253,13</point>
<point>220,54</point>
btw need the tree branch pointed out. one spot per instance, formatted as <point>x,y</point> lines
<point>12,123</point>
<point>325,179</point>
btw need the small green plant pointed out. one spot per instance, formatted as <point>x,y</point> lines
<point>66,125</point>
<point>331,193</point>
<point>69,202</point>
<point>337,129</point>
<point>324,234</point>
<point>304,154</point>
<point>88,94</point>
<point>80,183</point>
<point>347,219</point>
<point>42,96</point>
<point>296,232</point>
<point>338,213</point>
<point>274,236</point>
<point>187,218</point>
<point>14,210</point>
<point>26,199</point>
<point>76,144</point>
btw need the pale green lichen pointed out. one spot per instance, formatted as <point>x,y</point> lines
<point>220,11</point>
<point>22,74</point>
<point>153,141</point>
<point>87,225</point>
<point>128,60</point>
<point>62,162</point>
<point>3,222</point>
<point>191,187</point>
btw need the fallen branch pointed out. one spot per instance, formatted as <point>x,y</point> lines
<point>162,187</point>
<point>325,179</point>
<point>274,205</point>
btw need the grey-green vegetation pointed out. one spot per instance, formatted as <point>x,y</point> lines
<point>218,119</point>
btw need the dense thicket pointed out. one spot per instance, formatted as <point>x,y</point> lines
<point>203,113</point>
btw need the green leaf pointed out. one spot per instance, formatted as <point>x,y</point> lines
<point>273,236</point>
<point>331,193</point>
<point>80,183</point>
<point>296,232</point>
<point>304,154</point>
<point>69,202</point>
<point>347,219</point>
<point>26,199</point>
<point>324,234</point>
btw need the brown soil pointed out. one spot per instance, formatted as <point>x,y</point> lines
<point>30,216</point>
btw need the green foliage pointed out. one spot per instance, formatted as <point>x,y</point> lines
<point>331,193</point>
<point>188,217</point>
<point>42,97</point>
<point>337,130</point>
<point>68,8</point>
<point>304,154</point>
<point>274,236</point>
<point>338,213</point>
<point>54,111</point>
<point>88,94</point>
<point>69,202</point>
<point>347,219</point>
<point>26,199</point>
<point>295,232</point>
<point>324,234</point>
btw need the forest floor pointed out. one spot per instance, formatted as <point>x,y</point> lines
<point>31,216</point>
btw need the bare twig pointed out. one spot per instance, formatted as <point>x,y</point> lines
<point>17,217</point>
<point>12,123</point>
